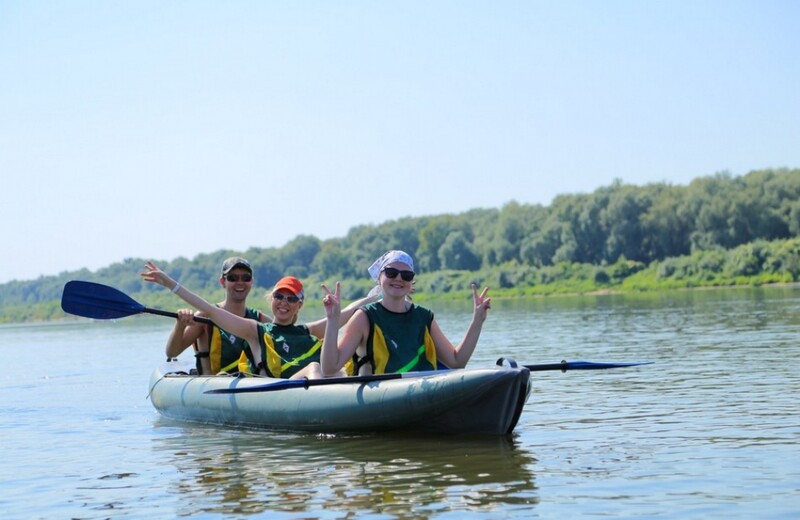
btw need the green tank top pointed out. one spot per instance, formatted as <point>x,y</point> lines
<point>399,341</point>
<point>225,348</point>
<point>287,349</point>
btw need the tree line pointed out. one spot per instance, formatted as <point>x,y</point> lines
<point>601,237</point>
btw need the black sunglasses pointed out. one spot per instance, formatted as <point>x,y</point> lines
<point>237,277</point>
<point>392,273</point>
<point>289,298</point>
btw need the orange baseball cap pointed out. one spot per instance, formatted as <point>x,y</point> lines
<point>291,284</point>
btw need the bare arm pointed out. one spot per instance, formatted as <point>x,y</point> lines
<point>458,356</point>
<point>185,332</point>
<point>337,351</point>
<point>317,328</point>
<point>242,327</point>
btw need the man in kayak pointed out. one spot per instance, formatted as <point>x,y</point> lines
<point>277,349</point>
<point>217,350</point>
<point>395,335</point>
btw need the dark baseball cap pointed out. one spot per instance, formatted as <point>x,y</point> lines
<point>235,261</point>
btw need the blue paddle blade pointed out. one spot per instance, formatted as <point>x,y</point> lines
<point>589,365</point>
<point>582,365</point>
<point>94,300</point>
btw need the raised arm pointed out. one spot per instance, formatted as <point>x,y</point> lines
<point>458,356</point>
<point>242,327</point>
<point>337,351</point>
<point>317,328</point>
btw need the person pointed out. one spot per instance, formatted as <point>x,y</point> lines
<point>278,349</point>
<point>217,350</point>
<point>393,334</point>
<point>289,349</point>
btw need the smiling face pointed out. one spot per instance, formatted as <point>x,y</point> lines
<point>237,283</point>
<point>285,307</point>
<point>396,279</point>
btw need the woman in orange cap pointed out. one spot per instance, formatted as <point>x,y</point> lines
<point>288,349</point>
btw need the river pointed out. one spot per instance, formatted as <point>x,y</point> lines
<point>711,429</point>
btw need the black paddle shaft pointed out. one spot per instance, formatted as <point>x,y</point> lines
<point>174,315</point>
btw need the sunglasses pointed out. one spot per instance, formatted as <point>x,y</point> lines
<point>392,273</point>
<point>289,298</point>
<point>237,277</point>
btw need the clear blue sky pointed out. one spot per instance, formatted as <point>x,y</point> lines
<point>162,129</point>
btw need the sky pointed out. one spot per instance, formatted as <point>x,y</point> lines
<point>154,129</point>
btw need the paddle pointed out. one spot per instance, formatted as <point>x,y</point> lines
<point>305,383</point>
<point>94,300</point>
<point>568,365</point>
<point>581,365</point>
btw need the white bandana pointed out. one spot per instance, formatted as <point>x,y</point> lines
<point>388,258</point>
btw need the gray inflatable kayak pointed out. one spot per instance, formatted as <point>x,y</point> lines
<point>464,401</point>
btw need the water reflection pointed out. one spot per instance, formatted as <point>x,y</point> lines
<point>250,471</point>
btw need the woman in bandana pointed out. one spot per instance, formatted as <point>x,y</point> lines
<point>395,335</point>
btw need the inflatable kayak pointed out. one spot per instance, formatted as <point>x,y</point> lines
<point>464,401</point>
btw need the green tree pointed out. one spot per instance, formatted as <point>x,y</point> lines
<point>433,234</point>
<point>456,253</point>
<point>623,220</point>
<point>332,261</point>
<point>298,254</point>
<point>665,228</point>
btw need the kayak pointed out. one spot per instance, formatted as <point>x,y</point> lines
<point>462,401</point>
<point>486,400</point>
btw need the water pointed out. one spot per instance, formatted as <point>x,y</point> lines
<point>711,429</point>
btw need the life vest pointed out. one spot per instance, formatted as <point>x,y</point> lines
<point>287,349</point>
<point>399,341</point>
<point>225,349</point>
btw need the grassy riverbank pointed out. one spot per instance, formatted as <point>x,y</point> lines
<point>756,264</point>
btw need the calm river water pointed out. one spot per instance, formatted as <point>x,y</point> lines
<point>711,430</point>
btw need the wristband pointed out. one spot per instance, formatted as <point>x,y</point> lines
<point>176,288</point>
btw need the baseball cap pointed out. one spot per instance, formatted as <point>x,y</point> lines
<point>235,261</point>
<point>291,284</point>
